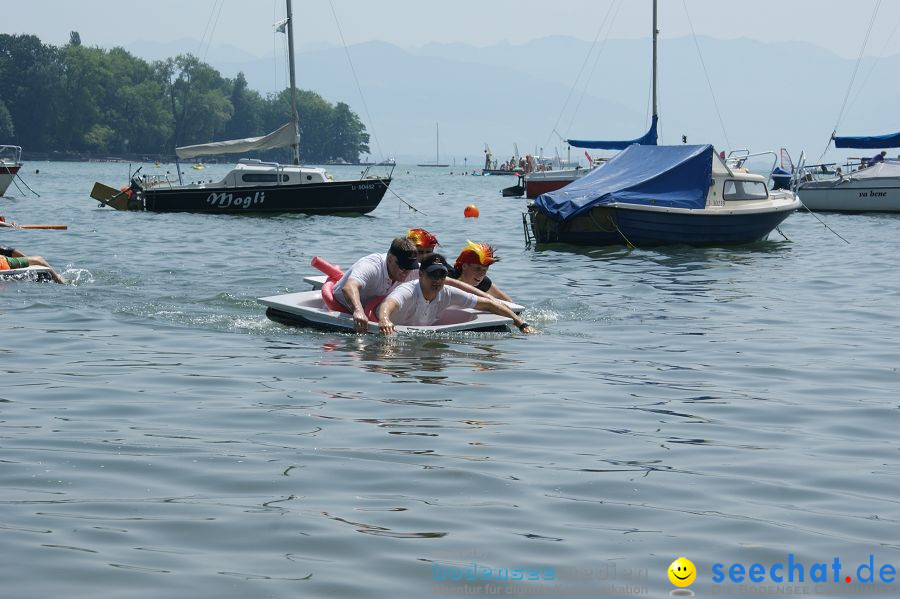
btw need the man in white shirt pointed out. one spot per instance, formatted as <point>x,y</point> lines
<point>374,276</point>
<point>422,302</point>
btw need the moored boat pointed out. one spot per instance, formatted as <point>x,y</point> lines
<point>871,189</point>
<point>871,185</point>
<point>10,163</point>
<point>547,181</point>
<point>659,195</point>
<point>499,171</point>
<point>437,151</point>
<point>254,186</point>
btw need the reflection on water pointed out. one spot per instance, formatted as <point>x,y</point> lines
<point>418,358</point>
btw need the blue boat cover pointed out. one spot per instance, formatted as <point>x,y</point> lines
<point>892,140</point>
<point>649,139</point>
<point>673,176</point>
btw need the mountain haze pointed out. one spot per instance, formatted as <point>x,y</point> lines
<point>769,95</point>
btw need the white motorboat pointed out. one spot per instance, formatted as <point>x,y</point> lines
<point>307,308</point>
<point>10,163</point>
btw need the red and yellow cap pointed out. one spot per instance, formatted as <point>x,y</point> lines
<point>422,238</point>
<point>476,253</point>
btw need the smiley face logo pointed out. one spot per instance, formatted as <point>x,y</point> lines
<point>682,572</point>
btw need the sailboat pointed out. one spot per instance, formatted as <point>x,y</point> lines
<point>437,150</point>
<point>253,186</point>
<point>872,187</point>
<point>658,195</point>
<point>540,182</point>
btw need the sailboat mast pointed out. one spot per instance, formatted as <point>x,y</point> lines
<point>295,119</point>
<point>655,35</point>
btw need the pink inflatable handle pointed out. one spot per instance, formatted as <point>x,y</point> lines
<point>329,270</point>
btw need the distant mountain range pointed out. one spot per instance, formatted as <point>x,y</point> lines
<point>764,95</point>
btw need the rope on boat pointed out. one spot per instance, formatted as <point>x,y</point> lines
<point>356,80</point>
<point>852,78</point>
<point>780,232</point>
<point>19,177</point>
<point>587,57</point>
<point>712,92</point>
<point>408,205</point>
<point>615,225</point>
<point>824,224</point>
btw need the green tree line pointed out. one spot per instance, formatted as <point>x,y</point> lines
<point>76,99</point>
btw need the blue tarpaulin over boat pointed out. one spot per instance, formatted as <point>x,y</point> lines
<point>875,142</point>
<point>649,139</point>
<point>673,176</point>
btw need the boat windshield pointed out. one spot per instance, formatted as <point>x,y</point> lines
<point>736,189</point>
<point>10,154</point>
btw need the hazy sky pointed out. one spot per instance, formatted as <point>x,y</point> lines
<point>839,26</point>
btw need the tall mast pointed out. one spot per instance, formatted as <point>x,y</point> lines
<point>295,119</point>
<point>655,35</point>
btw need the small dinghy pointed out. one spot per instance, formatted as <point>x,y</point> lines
<point>307,308</point>
<point>29,273</point>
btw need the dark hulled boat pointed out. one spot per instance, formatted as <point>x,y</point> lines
<point>253,186</point>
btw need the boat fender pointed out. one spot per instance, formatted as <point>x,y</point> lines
<point>329,270</point>
<point>328,297</point>
<point>334,274</point>
<point>372,306</point>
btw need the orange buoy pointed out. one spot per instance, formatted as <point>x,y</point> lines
<point>471,211</point>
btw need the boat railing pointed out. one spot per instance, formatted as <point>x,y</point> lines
<point>365,173</point>
<point>157,180</point>
<point>738,159</point>
<point>11,154</point>
<point>255,161</point>
<point>830,170</point>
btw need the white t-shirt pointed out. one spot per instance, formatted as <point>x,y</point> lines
<point>371,273</point>
<point>413,309</point>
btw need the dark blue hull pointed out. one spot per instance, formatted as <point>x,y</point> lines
<point>606,225</point>
<point>334,197</point>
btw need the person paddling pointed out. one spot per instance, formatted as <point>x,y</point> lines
<point>11,258</point>
<point>471,267</point>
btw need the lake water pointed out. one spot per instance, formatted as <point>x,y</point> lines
<point>161,437</point>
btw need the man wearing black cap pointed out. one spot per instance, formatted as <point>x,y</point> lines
<point>421,302</point>
<point>374,276</point>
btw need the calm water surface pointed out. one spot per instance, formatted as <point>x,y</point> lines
<point>161,437</point>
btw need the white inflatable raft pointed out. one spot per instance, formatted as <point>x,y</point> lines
<point>29,273</point>
<point>318,280</point>
<point>306,308</point>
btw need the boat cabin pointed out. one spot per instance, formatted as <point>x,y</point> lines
<point>250,172</point>
<point>734,183</point>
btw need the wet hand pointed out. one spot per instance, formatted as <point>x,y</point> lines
<point>360,322</point>
<point>386,327</point>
